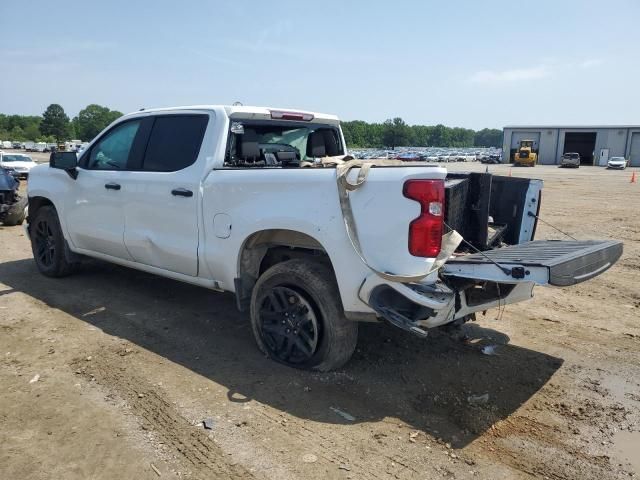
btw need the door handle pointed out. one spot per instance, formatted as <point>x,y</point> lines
<point>112,186</point>
<point>181,192</point>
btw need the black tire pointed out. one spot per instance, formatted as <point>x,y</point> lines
<point>297,317</point>
<point>48,244</point>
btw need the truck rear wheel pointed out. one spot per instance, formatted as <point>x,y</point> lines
<point>48,244</point>
<point>297,316</point>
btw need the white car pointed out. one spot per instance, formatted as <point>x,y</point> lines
<point>619,163</point>
<point>18,163</point>
<point>266,204</point>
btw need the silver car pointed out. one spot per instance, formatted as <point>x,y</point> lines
<point>570,159</point>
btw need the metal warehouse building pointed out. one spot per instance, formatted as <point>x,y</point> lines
<point>594,144</point>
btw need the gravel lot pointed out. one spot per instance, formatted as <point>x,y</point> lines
<point>109,374</point>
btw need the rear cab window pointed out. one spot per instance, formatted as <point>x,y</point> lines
<point>270,143</point>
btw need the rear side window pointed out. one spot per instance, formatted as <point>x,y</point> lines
<point>174,142</point>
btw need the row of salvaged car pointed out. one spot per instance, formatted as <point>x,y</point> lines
<point>70,146</point>
<point>431,155</point>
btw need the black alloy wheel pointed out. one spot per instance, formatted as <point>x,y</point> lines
<point>45,243</point>
<point>289,325</point>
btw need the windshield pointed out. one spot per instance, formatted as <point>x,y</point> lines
<point>617,159</point>
<point>572,156</point>
<point>278,144</point>
<point>16,158</point>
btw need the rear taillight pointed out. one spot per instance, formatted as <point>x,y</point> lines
<point>425,232</point>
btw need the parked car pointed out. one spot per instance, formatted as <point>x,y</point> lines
<point>12,204</point>
<point>40,147</point>
<point>491,159</point>
<point>619,163</point>
<point>16,145</point>
<point>264,202</point>
<point>19,163</point>
<point>570,159</point>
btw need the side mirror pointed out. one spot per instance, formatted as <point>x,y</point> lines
<point>67,161</point>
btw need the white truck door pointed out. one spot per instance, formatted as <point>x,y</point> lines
<point>163,195</point>
<point>94,207</point>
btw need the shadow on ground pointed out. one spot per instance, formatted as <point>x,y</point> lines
<point>425,383</point>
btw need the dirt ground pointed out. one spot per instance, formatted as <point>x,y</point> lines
<point>109,374</point>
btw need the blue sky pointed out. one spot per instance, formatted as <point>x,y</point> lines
<point>461,63</point>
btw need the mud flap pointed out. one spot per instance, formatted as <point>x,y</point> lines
<point>544,262</point>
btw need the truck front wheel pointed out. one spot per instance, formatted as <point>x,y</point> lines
<point>297,316</point>
<point>48,244</point>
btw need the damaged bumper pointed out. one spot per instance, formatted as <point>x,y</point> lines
<point>477,282</point>
<point>416,307</point>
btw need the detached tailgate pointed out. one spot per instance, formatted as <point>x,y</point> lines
<point>545,262</point>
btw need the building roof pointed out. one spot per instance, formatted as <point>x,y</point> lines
<point>583,127</point>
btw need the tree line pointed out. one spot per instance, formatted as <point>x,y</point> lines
<point>396,133</point>
<point>54,125</point>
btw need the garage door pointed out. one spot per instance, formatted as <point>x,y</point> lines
<point>634,151</point>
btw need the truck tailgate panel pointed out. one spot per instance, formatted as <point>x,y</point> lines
<point>568,262</point>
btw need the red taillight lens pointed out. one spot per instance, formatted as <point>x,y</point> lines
<point>280,115</point>
<point>425,232</point>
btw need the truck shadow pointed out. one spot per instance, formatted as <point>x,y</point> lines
<point>442,387</point>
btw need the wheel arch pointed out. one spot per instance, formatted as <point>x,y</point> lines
<point>37,202</point>
<point>265,248</point>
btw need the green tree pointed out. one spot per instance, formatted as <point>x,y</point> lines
<point>16,133</point>
<point>92,120</point>
<point>32,131</point>
<point>488,137</point>
<point>396,133</point>
<point>422,135</point>
<point>441,136</point>
<point>55,122</point>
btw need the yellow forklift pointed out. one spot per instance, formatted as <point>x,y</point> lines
<point>526,156</point>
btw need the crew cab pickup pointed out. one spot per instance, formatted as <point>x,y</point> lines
<point>265,203</point>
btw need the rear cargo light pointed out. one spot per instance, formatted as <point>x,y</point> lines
<point>425,232</point>
<point>280,115</point>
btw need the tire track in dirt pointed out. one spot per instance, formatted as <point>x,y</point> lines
<point>329,448</point>
<point>197,453</point>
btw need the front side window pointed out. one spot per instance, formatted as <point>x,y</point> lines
<point>112,152</point>
<point>174,142</point>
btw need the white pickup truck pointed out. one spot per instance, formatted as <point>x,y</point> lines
<point>261,203</point>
